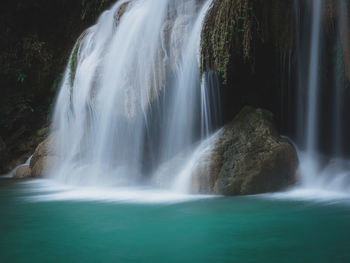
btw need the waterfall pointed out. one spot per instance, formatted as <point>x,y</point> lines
<point>321,97</point>
<point>132,98</point>
<point>312,95</point>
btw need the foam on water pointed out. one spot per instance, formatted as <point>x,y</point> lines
<point>49,191</point>
<point>311,194</point>
<point>10,175</point>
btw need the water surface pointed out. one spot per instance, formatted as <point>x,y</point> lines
<point>34,228</point>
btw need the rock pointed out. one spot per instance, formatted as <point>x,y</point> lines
<point>345,36</point>
<point>120,12</point>
<point>248,157</point>
<point>43,132</point>
<point>2,145</point>
<point>43,157</point>
<point>23,172</point>
<point>43,165</point>
<point>2,155</point>
<point>20,146</point>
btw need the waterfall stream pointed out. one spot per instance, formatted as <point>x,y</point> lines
<point>312,95</point>
<point>317,98</point>
<point>131,96</point>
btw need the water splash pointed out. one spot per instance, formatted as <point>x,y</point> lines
<point>49,191</point>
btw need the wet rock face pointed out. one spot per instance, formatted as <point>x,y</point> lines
<point>19,147</point>
<point>23,172</point>
<point>249,157</point>
<point>41,161</point>
<point>121,11</point>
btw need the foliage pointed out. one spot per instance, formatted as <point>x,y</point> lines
<point>233,28</point>
<point>228,24</point>
<point>55,84</point>
<point>35,40</point>
<point>13,109</point>
<point>21,77</point>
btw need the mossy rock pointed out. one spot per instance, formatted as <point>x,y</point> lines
<point>248,157</point>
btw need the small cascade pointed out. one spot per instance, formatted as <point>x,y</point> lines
<point>132,98</point>
<point>13,172</point>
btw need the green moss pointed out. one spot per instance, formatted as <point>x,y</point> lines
<point>55,84</point>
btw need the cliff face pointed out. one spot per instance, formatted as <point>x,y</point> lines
<point>36,38</point>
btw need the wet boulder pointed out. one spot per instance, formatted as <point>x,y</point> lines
<point>247,157</point>
<point>23,172</point>
<point>43,157</point>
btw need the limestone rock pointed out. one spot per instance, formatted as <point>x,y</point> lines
<point>248,157</point>
<point>43,157</point>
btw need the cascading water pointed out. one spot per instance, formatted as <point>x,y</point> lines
<point>317,122</point>
<point>312,96</point>
<point>131,95</point>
